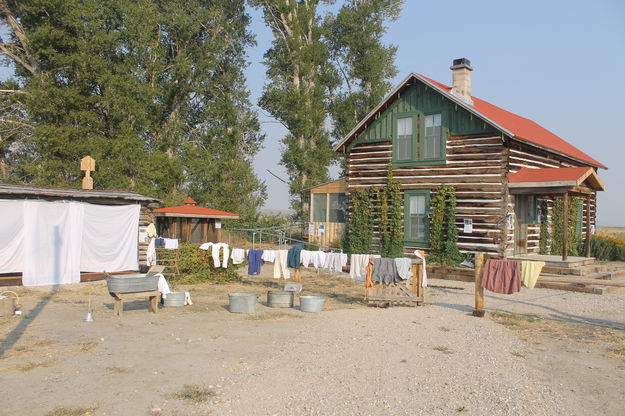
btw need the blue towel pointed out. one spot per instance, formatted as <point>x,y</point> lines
<point>159,242</point>
<point>254,261</point>
<point>293,258</point>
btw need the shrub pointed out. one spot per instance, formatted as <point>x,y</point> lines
<point>196,266</point>
<point>606,248</point>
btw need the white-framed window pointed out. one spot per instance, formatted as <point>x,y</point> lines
<point>404,138</point>
<point>432,144</point>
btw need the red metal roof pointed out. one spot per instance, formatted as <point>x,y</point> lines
<point>194,210</point>
<point>189,200</point>
<point>521,127</point>
<point>548,174</point>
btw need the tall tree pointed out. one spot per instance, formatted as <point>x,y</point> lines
<point>354,38</point>
<point>296,93</point>
<point>153,90</point>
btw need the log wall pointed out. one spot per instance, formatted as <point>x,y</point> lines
<point>475,167</point>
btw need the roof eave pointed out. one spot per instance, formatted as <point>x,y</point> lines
<point>179,215</point>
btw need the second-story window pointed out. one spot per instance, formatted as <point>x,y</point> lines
<point>433,137</point>
<point>404,139</point>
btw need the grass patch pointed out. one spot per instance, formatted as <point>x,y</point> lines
<point>444,329</point>
<point>518,354</point>
<point>462,409</point>
<point>270,316</point>
<point>194,393</point>
<point>117,370</point>
<point>443,349</point>
<point>618,352</point>
<point>88,346</point>
<point>72,411</point>
<point>31,365</point>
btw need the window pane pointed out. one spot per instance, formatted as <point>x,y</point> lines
<point>417,217</point>
<point>404,138</point>
<point>337,208</point>
<point>319,207</point>
<point>433,137</point>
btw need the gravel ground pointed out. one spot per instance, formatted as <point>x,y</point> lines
<point>348,360</point>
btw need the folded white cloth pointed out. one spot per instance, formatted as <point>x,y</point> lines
<point>171,243</point>
<point>187,299</point>
<point>163,286</point>
<point>269,256</point>
<point>216,249</point>
<point>205,246</point>
<point>238,255</point>
<point>404,267</point>
<point>421,255</point>
<point>151,253</point>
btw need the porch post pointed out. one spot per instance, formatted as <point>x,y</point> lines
<point>587,242</point>
<point>565,227</point>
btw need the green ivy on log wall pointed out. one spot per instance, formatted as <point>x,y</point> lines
<point>443,231</point>
<point>574,237</point>
<point>359,234</point>
<point>545,235</point>
<point>391,219</point>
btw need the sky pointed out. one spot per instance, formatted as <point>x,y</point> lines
<point>558,63</point>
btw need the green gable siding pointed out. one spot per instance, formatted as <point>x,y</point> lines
<point>421,99</point>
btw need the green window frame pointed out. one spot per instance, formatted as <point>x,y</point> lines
<point>416,201</point>
<point>418,148</point>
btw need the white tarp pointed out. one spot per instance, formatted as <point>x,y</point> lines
<point>52,242</point>
<point>110,238</point>
<point>11,235</point>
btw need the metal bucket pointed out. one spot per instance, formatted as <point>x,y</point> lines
<point>131,283</point>
<point>174,299</point>
<point>242,302</point>
<point>311,303</point>
<point>280,299</point>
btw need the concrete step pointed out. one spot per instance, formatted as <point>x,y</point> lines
<point>576,271</point>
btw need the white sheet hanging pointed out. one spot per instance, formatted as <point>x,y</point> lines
<point>52,242</point>
<point>110,238</point>
<point>11,235</point>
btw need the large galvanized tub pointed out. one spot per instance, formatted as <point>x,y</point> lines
<point>280,299</point>
<point>311,303</point>
<point>242,302</point>
<point>131,283</point>
<point>174,299</point>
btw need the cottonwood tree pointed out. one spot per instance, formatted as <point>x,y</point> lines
<point>299,77</point>
<point>152,90</point>
<point>354,38</point>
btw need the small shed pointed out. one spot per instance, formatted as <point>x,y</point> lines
<point>53,235</point>
<point>327,212</point>
<point>191,223</point>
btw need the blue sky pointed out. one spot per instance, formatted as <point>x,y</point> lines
<point>559,63</point>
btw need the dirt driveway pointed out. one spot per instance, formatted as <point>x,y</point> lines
<point>539,352</point>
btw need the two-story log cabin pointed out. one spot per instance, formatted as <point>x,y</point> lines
<point>500,163</point>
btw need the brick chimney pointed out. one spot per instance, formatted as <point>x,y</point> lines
<point>461,79</point>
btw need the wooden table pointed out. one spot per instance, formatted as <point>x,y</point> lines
<point>152,298</point>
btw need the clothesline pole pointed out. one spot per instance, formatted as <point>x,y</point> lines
<point>298,276</point>
<point>479,290</point>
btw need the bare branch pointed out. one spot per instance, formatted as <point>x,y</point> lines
<point>18,123</point>
<point>13,92</point>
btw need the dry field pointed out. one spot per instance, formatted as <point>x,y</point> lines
<point>539,352</point>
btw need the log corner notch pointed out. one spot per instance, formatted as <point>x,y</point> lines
<point>478,311</point>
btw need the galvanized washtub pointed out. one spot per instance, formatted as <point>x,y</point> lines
<point>131,283</point>
<point>174,299</point>
<point>242,302</point>
<point>311,303</point>
<point>280,299</point>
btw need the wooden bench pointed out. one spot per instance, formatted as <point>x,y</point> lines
<point>152,297</point>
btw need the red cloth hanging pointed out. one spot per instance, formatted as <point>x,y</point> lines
<point>502,276</point>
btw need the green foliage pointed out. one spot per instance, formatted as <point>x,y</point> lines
<point>443,230</point>
<point>354,38</point>
<point>391,219</point>
<point>545,236</point>
<point>359,233</point>
<point>606,248</point>
<point>573,237</point>
<point>154,91</point>
<point>196,266</point>
<point>298,80</point>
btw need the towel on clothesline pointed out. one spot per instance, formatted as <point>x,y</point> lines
<point>171,243</point>
<point>357,265</point>
<point>163,286</point>
<point>530,270</point>
<point>335,261</point>
<point>205,246</point>
<point>314,258</point>
<point>187,298</point>
<point>404,267</point>
<point>385,271</point>
<point>237,256</point>
<point>254,261</point>
<point>269,256</point>
<point>151,230</point>
<point>150,258</point>
<point>502,276</point>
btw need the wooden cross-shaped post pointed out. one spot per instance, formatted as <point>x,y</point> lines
<point>87,164</point>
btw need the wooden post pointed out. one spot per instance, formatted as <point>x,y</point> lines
<point>479,290</point>
<point>565,227</point>
<point>421,289</point>
<point>87,164</point>
<point>415,279</point>
<point>587,242</point>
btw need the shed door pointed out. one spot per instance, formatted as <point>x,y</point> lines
<point>525,212</point>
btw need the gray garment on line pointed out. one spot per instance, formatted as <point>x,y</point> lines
<point>404,267</point>
<point>384,271</point>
